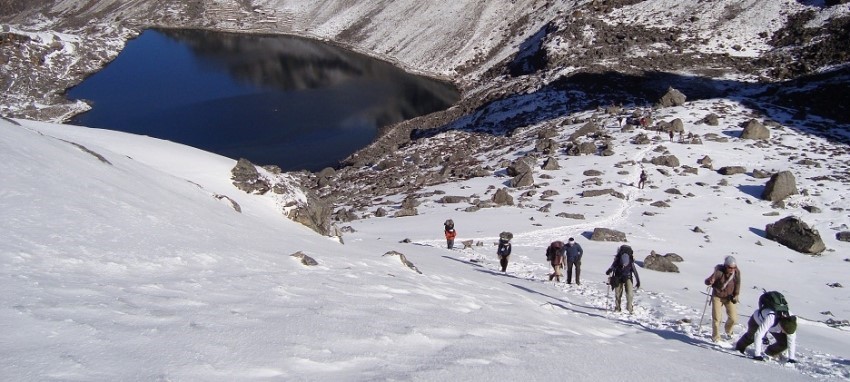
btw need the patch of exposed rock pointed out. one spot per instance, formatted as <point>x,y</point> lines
<point>780,186</point>
<point>795,234</point>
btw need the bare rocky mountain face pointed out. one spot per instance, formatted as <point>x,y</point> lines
<point>518,63</point>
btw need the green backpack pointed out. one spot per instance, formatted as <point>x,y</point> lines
<point>775,301</point>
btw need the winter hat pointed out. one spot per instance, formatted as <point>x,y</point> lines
<point>571,240</point>
<point>788,324</point>
<point>730,262</point>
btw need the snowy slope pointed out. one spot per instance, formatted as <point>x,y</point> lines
<point>132,270</point>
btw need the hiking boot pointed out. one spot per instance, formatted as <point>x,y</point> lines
<point>578,282</point>
<point>617,309</point>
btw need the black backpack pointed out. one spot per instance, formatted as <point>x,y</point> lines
<point>554,249</point>
<point>504,248</point>
<point>774,301</point>
<point>624,261</point>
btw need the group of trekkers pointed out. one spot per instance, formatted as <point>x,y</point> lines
<point>772,315</point>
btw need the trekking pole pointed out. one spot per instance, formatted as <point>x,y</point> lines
<point>707,299</point>
<point>608,298</point>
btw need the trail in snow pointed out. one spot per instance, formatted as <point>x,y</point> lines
<point>658,313</point>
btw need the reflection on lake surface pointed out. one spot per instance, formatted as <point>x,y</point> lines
<point>296,103</point>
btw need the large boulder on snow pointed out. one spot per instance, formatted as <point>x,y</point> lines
<point>659,263</point>
<point>666,160</point>
<point>755,130</point>
<point>607,234</point>
<point>673,97</point>
<point>780,186</point>
<point>843,236</point>
<point>795,234</point>
<point>502,197</point>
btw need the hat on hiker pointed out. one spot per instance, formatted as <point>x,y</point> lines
<point>730,262</point>
<point>788,324</point>
<point>571,239</point>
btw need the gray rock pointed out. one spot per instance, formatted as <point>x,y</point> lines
<point>522,180</point>
<point>843,236</point>
<point>403,212</point>
<point>502,197</point>
<point>666,160</point>
<point>795,234</point>
<point>659,263</point>
<point>711,119</point>
<point>588,129</point>
<point>674,257</point>
<point>732,170</point>
<point>404,260</point>
<point>546,146</point>
<point>673,97</point>
<point>520,166</point>
<point>246,178</point>
<point>306,260</point>
<point>780,186</point>
<point>761,174</point>
<point>452,199</point>
<point>570,216</point>
<point>551,164</point>
<point>593,193</point>
<point>380,212</point>
<point>592,173</point>
<point>607,234</point>
<point>677,125</point>
<point>755,130</point>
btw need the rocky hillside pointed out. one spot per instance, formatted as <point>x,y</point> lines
<point>519,63</point>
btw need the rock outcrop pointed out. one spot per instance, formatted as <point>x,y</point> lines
<point>795,234</point>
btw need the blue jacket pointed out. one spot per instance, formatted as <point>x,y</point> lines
<point>574,252</point>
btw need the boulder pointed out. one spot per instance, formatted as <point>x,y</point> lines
<point>551,164</point>
<point>520,166</point>
<point>795,234</point>
<point>246,178</point>
<point>780,186</point>
<point>843,236</point>
<point>732,170</point>
<point>546,146</point>
<point>607,234</point>
<point>659,263</point>
<point>666,160</point>
<point>673,97</point>
<point>502,197</point>
<point>711,119</point>
<point>522,180</point>
<point>755,130</point>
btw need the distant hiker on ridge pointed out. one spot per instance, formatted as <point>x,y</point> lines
<point>725,285</point>
<point>504,250</point>
<point>555,256</point>
<point>574,253</point>
<point>623,268</point>
<point>450,233</point>
<point>642,180</point>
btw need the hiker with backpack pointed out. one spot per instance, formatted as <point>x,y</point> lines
<point>574,252</point>
<point>725,285</point>
<point>504,249</point>
<point>774,317</point>
<point>449,226</point>
<point>642,179</point>
<point>621,272</point>
<point>555,256</point>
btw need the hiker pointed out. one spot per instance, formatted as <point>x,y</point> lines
<point>672,134</point>
<point>504,249</point>
<point>725,285</point>
<point>772,317</point>
<point>574,252</point>
<point>621,272</point>
<point>450,233</point>
<point>555,256</point>
<point>642,180</point>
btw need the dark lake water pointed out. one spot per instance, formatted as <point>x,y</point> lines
<point>288,101</point>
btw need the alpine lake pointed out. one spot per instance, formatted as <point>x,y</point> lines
<point>274,100</point>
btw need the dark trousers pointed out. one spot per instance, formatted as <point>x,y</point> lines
<point>750,336</point>
<point>577,264</point>
<point>503,261</point>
